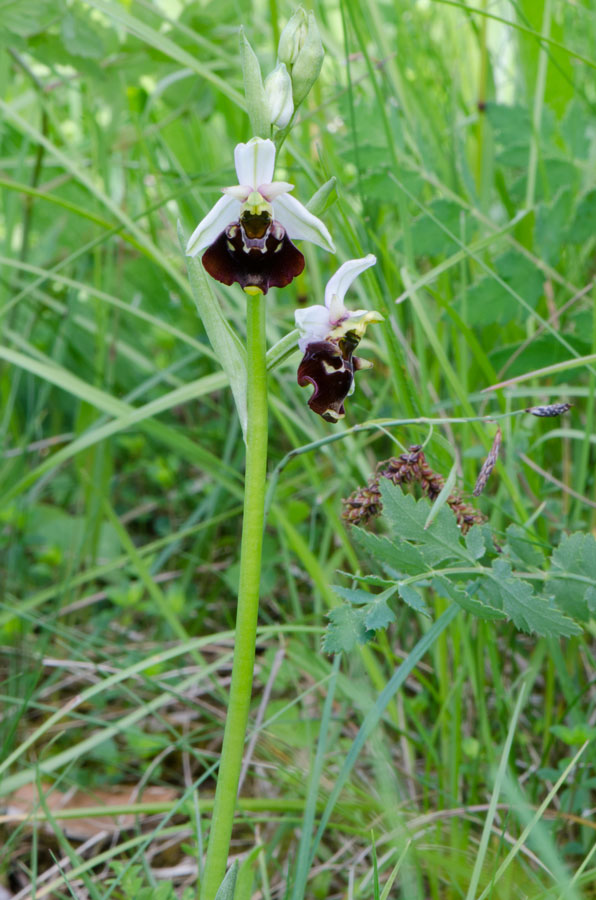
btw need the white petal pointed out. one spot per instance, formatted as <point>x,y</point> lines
<point>337,310</point>
<point>339,283</point>
<point>255,162</point>
<point>273,190</point>
<point>240,192</point>
<point>225,211</point>
<point>313,324</point>
<point>300,224</point>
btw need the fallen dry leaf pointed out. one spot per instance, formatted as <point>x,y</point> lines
<point>25,803</point>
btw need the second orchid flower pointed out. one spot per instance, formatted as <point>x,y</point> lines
<point>329,335</point>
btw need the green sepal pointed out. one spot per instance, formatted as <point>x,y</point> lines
<point>254,90</point>
<point>322,199</point>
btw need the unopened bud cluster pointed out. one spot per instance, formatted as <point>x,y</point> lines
<point>301,50</point>
<point>299,59</point>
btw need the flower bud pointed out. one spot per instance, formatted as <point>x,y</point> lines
<point>292,38</point>
<point>307,67</point>
<point>278,94</point>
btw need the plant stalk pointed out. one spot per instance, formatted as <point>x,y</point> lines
<point>248,602</point>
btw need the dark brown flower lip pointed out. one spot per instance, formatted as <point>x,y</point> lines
<point>329,366</point>
<point>260,263</point>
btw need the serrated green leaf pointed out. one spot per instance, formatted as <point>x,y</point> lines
<point>226,344</point>
<point>375,612</point>
<point>574,575</point>
<point>411,596</point>
<point>467,597</point>
<point>521,548</point>
<point>346,629</point>
<point>475,542</point>
<point>394,558</point>
<point>379,614</point>
<point>527,611</point>
<point>407,518</point>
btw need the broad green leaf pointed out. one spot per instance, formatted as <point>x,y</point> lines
<point>428,238</point>
<point>346,629</point>
<point>374,612</point>
<point>395,558</point>
<point>226,344</point>
<point>575,556</point>
<point>407,519</point>
<point>511,124</point>
<point>379,614</point>
<point>527,611</point>
<point>489,301</point>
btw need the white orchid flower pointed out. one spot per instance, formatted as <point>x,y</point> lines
<point>249,232</point>
<point>334,320</point>
<point>328,337</point>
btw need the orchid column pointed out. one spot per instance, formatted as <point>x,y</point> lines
<point>247,239</point>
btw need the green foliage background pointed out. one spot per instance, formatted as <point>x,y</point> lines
<point>464,148</point>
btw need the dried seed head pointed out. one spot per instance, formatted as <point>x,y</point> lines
<point>553,409</point>
<point>489,464</point>
<point>412,467</point>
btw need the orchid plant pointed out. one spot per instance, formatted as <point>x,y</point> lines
<point>247,238</point>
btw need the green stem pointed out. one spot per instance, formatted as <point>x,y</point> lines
<point>248,602</point>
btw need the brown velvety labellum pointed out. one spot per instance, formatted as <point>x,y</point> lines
<point>270,260</point>
<point>330,374</point>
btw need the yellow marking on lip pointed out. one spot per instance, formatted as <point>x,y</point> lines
<point>253,290</point>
